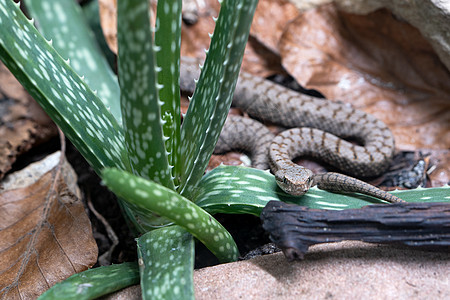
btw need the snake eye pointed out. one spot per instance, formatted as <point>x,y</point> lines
<point>310,182</point>
<point>285,180</point>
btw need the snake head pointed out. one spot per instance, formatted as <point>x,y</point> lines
<point>295,181</point>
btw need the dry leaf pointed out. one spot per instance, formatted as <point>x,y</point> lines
<point>381,65</point>
<point>259,59</point>
<point>108,21</point>
<point>429,16</point>
<point>261,56</point>
<point>45,234</point>
<point>439,172</point>
<point>23,123</point>
<point>270,20</point>
<point>195,38</point>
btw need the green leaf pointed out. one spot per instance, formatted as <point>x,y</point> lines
<point>91,14</point>
<point>166,262</point>
<point>141,107</point>
<point>63,22</point>
<point>95,282</point>
<point>212,97</point>
<point>241,190</point>
<point>146,197</point>
<point>66,98</point>
<point>438,194</point>
<point>167,40</point>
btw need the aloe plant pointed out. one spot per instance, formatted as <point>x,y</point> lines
<point>131,135</point>
<point>143,137</point>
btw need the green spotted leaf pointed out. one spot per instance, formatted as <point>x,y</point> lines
<point>67,29</point>
<point>94,283</point>
<point>63,22</point>
<point>141,107</point>
<point>146,197</point>
<point>60,91</point>
<point>166,263</point>
<point>242,190</point>
<point>212,97</point>
<point>91,12</point>
<point>167,40</point>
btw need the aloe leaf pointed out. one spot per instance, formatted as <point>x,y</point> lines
<point>438,194</point>
<point>241,190</point>
<point>63,22</point>
<point>167,40</point>
<point>141,107</point>
<point>166,263</point>
<point>94,283</point>
<point>211,101</point>
<point>66,98</point>
<point>145,197</point>
<point>91,14</point>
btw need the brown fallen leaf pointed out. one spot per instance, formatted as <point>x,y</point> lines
<point>45,234</point>
<point>270,20</point>
<point>108,21</point>
<point>195,38</point>
<point>429,16</point>
<point>439,172</point>
<point>261,56</point>
<point>259,59</point>
<point>23,123</point>
<point>379,64</point>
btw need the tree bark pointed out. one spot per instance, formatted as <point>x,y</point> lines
<point>294,228</point>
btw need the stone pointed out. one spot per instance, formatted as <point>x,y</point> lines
<point>430,17</point>
<point>344,270</point>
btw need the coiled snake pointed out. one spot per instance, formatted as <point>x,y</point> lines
<point>318,129</point>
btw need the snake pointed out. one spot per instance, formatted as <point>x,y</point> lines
<point>316,127</point>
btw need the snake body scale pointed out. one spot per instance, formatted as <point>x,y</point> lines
<point>318,128</point>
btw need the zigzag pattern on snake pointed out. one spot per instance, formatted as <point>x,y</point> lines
<point>319,128</point>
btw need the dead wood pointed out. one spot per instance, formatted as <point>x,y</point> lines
<point>294,228</point>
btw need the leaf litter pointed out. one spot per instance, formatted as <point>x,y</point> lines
<point>379,64</point>
<point>375,62</point>
<point>45,234</point>
<point>23,123</point>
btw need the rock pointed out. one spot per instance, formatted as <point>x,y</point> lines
<point>345,270</point>
<point>430,17</point>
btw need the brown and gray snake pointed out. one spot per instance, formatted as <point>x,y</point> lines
<point>319,128</point>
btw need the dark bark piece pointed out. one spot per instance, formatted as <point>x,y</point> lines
<point>294,228</point>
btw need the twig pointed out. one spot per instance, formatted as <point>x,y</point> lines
<point>105,258</point>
